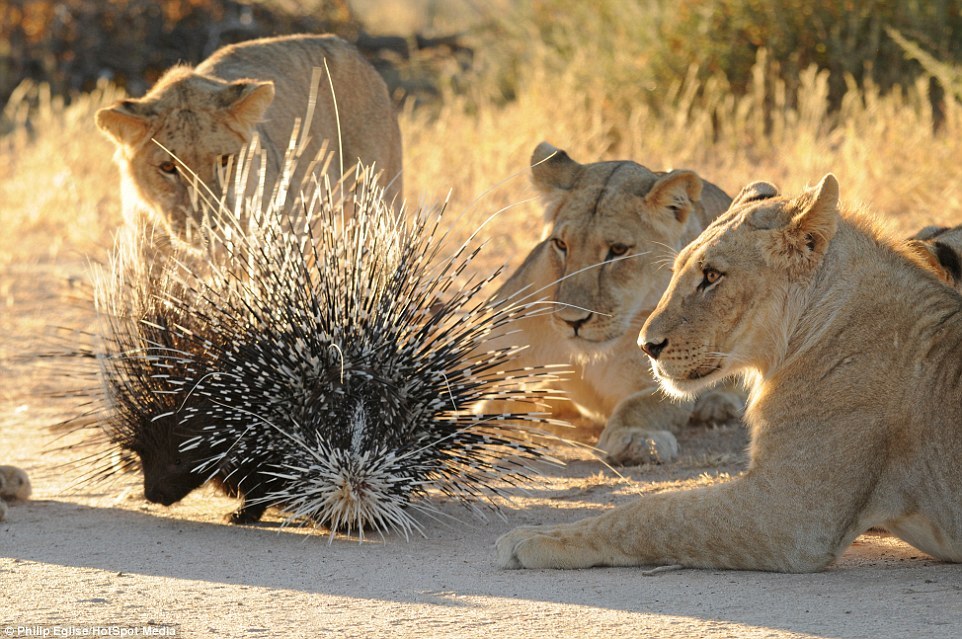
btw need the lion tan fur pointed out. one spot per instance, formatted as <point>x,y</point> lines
<point>855,414</point>
<point>205,115</point>
<point>613,228</point>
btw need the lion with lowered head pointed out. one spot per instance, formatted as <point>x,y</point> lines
<point>195,120</point>
<point>855,413</point>
<point>613,228</point>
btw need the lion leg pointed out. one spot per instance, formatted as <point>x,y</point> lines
<point>752,523</point>
<point>718,407</point>
<point>639,429</point>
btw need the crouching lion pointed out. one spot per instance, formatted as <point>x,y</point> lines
<point>203,116</point>
<point>854,355</point>
<point>614,227</point>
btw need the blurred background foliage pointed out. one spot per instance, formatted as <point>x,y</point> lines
<point>621,51</point>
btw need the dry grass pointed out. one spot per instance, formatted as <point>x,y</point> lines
<point>58,185</point>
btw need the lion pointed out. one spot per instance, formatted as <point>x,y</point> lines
<point>940,248</point>
<point>854,356</point>
<point>197,120</point>
<point>612,229</point>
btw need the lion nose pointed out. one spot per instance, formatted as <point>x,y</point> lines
<point>653,350</point>
<point>576,324</point>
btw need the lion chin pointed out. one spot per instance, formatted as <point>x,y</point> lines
<point>692,382</point>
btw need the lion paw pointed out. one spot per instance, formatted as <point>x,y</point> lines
<point>530,547</point>
<point>717,408</point>
<point>14,484</point>
<point>633,446</point>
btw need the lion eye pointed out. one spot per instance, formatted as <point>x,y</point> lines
<point>168,167</point>
<point>617,250</point>
<point>560,244</point>
<point>710,277</point>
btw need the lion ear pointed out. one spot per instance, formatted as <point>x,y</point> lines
<point>247,100</point>
<point>123,123</point>
<point>552,169</point>
<point>936,257</point>
<point>804,239</point>
<point>677,191</point>
<point>754,192</point>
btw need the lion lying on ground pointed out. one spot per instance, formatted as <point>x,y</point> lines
<point>855,412</point>
<point>614,227</point>
<point>204,116</point>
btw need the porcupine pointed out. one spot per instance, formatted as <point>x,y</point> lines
<point>326,365</point>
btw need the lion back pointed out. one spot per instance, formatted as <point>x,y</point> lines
<point>353,117</point>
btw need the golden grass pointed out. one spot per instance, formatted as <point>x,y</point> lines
<point>58,185</point>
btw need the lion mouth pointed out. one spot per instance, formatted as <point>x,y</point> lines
<point>703,371</point>
<point>691,376</point>
<point>590,340</point>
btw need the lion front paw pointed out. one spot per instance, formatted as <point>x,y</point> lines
<point>537,547</point>
<point>14,484</point>
<point>633,446</point>
<point>718,407</point>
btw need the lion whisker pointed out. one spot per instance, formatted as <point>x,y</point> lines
<point>671,249</point>
<point>572,274</point>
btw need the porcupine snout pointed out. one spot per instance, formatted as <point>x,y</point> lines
<point>161,494</point>
<point>167,487</point>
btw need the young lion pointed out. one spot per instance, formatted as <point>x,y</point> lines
<point>613,228</point>
<point>206,115</point>
<point>855,413</point>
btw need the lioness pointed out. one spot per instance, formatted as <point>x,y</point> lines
<point>203,116</point>
<point>855,412</point>
<point>614,227</point>
<point>941,248</point>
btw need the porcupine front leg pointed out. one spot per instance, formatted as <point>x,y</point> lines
<point>246,513</point>
<point>757,522</point>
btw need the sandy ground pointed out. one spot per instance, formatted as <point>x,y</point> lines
<point>104,559</point>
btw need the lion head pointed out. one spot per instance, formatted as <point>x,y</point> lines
<point>613,228</point>
<point>188,124</point>
<point>732,289</point>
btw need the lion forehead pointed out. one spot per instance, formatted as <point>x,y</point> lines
<point>607,200</point>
